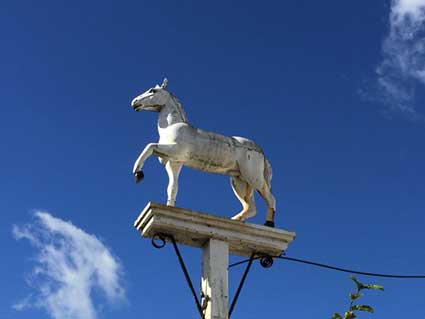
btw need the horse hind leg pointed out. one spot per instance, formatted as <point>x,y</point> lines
<point>268,197</point>
<point>245,193</point>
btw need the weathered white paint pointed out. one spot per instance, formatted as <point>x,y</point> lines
<point>195,229</point>
<point>182,144</point>
<point>214,282</point>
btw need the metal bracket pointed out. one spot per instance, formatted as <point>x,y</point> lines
<point>204,300</point>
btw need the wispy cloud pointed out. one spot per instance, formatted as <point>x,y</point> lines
<point>70,265</point>
<point>402,69</point>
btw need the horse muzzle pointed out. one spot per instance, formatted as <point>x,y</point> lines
<point>143,107</point>
<point>137,105</point>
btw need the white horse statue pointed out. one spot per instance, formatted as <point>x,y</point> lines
<point>182,144</point>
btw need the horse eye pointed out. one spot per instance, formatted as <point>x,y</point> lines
<point>152,91</point>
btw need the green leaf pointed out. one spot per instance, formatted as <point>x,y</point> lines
<point>374,287</point>
<point>362,308</point>
<point>349,315</point>
<point>359,285</point>
<point>336,316</point>
<point>355,296</point>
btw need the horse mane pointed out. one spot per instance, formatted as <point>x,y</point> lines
<point>179,107</point>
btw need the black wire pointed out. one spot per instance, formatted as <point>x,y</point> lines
<point>338,268</point>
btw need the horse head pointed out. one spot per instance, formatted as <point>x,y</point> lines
<point>153,99</point>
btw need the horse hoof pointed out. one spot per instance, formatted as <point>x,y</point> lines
<point>138,176</point>
<point>269,224</point>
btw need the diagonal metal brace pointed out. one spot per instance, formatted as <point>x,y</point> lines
<point>159,241</point>
<point>238,291</point>
<point>266,261</point>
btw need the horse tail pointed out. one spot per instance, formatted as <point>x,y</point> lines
<point>268,173</point>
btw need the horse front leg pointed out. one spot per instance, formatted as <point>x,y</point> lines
<point>173,170</point>
<point>161,150</point>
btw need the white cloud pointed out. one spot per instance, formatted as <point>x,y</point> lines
<point>408,7</point>
<point>70,265</point>
<point>403,67</point>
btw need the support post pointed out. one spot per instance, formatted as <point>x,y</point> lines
<point>214,283</point>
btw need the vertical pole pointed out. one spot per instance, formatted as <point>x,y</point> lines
<point>214,284</point>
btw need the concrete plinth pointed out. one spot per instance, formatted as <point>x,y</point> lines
<point>195,229</point>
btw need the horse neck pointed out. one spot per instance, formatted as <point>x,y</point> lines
<point>171,113</point>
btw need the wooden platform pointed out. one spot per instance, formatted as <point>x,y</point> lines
<point>195,229</point>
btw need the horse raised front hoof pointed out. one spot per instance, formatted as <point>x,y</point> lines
<point>268,223</point>
<point>138,176</point>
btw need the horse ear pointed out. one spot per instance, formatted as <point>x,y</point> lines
<point>164,83</point>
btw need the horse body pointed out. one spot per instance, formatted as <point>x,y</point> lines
<point>182,144</point>
<point>207,151</point>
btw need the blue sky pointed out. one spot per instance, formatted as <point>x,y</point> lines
<point>332,91</point>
